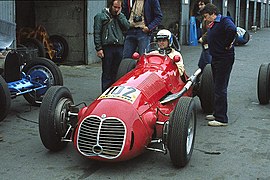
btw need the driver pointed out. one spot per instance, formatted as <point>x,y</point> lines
<point>164,39</point>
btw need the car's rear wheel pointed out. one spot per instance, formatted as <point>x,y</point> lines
<point>34,44</point>
<point>5,99</point>
<point>263,84</point>
<point>53,117</point>
<point>43,71</point>
<point>125,66</point>
<point>182,130</point>
<point>206,90</point>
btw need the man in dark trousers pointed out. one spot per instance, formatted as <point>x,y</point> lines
<point>221,36</point>
<point>109,26</point>
<point>144,16</point>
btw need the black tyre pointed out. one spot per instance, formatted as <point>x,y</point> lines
<point>182,130</point>
<point>206,90</point>
<point>125,66</point>
<point>32,43</point>
<point>263,84</point>
<point>53,120</point>
<point>5,99</point>
<point>45,72</point>
<point>243,38</point>
<point>61,48</point>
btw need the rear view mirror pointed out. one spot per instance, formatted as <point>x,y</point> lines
<point>176,58</point>
<point>135,55</point>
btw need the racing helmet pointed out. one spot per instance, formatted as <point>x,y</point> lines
<point>165,34</point>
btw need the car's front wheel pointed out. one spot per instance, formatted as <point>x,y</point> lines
<point>53,117</point>
<point>182,130</point>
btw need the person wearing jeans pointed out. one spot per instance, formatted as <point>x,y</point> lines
<point>144,16</point>
<point>220,37</point>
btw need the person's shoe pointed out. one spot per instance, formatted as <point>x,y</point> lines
<point>210,117</point>
<point>216,123</point>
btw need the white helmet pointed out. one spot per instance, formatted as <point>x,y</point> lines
<point>165,34</point>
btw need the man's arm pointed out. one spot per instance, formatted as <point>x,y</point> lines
<point>125,9</point>
<point>231,31</point>
<point>123,22</point>
<point>98,32</point>
<point>157,15</point>
<point>98,35</point>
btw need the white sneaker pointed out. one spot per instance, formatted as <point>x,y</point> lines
<point>210,117</point>
<point>216,123</point>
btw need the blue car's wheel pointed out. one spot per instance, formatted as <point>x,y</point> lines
<point>5,99</point>
<point>42,71</point>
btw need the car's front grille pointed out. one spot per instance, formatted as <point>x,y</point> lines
<point>101,137</point>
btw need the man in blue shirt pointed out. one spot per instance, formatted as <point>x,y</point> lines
<point>144,16</point>
<point>220,37</point>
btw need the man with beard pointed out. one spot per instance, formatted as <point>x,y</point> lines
<point>109,26</point>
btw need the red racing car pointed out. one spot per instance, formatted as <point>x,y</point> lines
<point>150,107</point>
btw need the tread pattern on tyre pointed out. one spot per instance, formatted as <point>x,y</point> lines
<point>47,128</point>
<point>178,125</point>
<point>263,83</point>
<point>206,91</point>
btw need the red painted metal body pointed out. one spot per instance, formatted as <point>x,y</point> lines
<point>133,102</point>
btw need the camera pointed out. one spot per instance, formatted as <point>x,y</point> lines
<point>137,18</point>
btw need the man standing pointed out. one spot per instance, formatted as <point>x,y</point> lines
<point>109,26</point>
<point>221,36</point>
<point>144,16</point>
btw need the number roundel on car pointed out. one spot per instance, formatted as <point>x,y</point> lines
<point>125,93</point>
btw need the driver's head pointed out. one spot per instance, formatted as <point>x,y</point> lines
<point>164,38</point>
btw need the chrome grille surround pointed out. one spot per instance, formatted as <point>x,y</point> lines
<point>103,137</point>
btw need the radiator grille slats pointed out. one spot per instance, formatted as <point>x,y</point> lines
<point>101,137</point>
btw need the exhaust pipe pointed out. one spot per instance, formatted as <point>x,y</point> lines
<point>191,80</point>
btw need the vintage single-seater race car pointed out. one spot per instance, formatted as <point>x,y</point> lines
<point>26,76</point>
<point>149,107</point>
<point>22,72</point>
